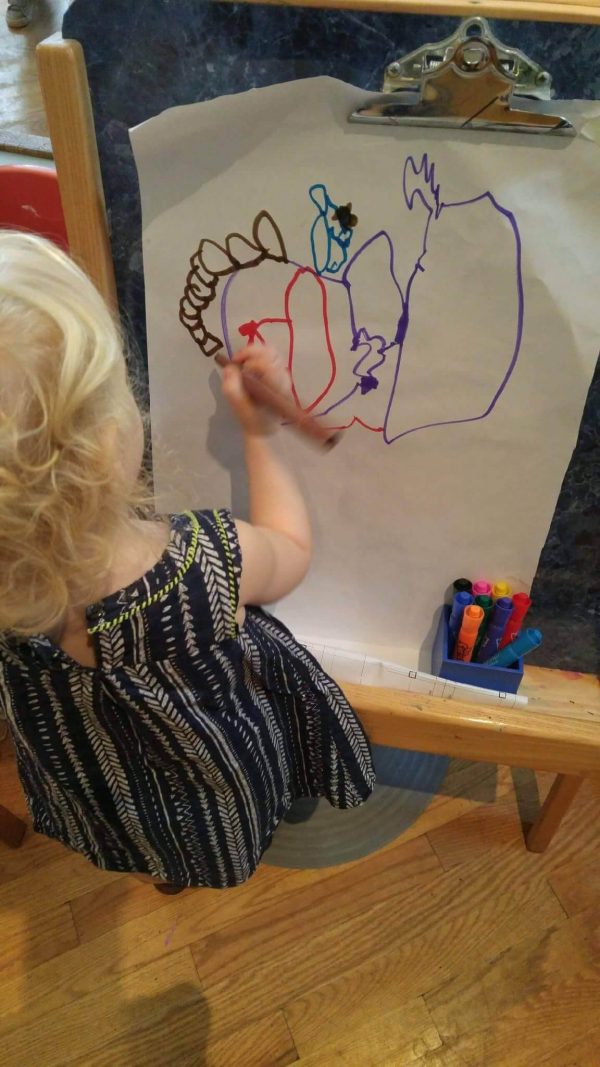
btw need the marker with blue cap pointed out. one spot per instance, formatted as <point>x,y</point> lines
<point>524,643</point>
<point>495,631</point>
<point>459,603</point>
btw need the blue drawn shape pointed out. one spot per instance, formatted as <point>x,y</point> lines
<point>329,237</point>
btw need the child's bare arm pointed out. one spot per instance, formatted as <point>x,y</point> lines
<point>276,543</point>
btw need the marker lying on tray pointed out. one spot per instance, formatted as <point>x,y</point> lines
<point>286,409</point>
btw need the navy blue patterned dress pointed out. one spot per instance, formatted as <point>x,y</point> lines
<point>178,755</point>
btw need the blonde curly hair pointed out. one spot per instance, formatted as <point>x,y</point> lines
<point>66,415</point>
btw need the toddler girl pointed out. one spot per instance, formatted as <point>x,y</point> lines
<point>163,721</point>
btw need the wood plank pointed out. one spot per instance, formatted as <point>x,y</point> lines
<point>446,808</point>
<point>186,918</point>
<point>488,990</point>
<point>583,1051</point>
<point>11,791</point>
<point>55,884</point>
<point>30,940</point>
<point>12,829</point>
<point>464,785</point>
<point>378,985</point>
<point>479,833</point>
<point>443,1057</point>
<point>106,907</point>
<point>110,906</point>
<point>63,80</point>
<point>543,10</point>
<point>562,693</point>
<point>29,859</point>
<point>536,1026</point>
<point>479,782</point>
<point>449,933</point>
<point>151,1016</point>
<point>266,1043</point>
<point>555,994</point>
<point>482,910</point>
<point>472,731</point>
<point>399,1037</point>
<point>486,830</point>
<point>577,884</point>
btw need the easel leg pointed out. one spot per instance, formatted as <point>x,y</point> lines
<point>63,81</point>
<point>12,829</point>
<point>555,806</point>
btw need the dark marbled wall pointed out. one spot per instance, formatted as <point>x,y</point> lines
<point>145,56</point>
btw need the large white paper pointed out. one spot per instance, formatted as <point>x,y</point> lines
<point>434,291</point>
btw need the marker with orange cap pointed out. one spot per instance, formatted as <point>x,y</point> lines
<point>500,589</point>
<point>521,605</point>
<point>465,642</point>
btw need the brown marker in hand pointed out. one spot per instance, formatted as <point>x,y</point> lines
<point>283,407</point>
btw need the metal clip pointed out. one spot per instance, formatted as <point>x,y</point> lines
<point>529,79</point>
<point>466,81</point>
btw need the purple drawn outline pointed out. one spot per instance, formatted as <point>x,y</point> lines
<point>360,335</point>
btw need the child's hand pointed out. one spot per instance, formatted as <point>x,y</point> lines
<point>263,363</point>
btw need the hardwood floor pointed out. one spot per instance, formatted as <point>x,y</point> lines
<point>22,120</point>
<point>451,947</point>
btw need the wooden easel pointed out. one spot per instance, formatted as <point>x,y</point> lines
<point>560,730</point>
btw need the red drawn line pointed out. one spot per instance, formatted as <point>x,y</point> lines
<point>325,316</point>
<point>251,330</point>
<point>354,421</point>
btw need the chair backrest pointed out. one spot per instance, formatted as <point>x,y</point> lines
<point>30,201</point>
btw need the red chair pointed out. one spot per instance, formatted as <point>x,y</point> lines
<point>30,201</point>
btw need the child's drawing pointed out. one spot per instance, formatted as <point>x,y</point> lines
<point>365,346</point>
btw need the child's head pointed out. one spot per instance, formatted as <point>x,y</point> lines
<point>70,437</point>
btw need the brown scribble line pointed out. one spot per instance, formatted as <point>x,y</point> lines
<point>201,282</point>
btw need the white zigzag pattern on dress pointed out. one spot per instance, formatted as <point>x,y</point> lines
<point>115,775</point>
<point>325,685</point>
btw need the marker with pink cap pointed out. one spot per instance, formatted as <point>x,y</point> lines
<point>482,589</point>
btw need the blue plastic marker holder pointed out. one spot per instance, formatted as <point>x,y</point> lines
<point>501,679</point>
